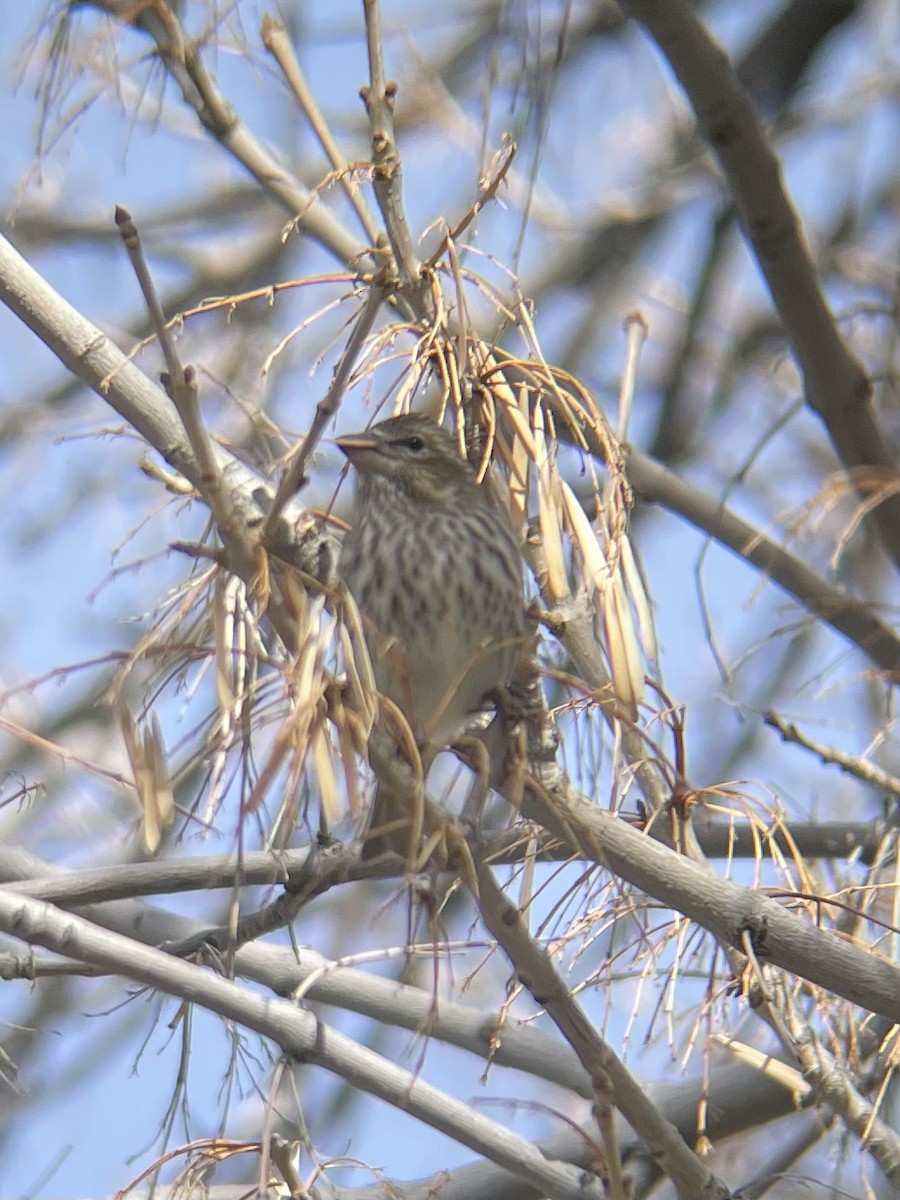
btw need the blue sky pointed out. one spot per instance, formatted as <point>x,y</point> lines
<point>71,497</point>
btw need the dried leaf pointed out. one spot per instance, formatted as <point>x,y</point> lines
<point>147,756</point>
<point>634,585</point>
<point>549,515</point>
<point>223,605</point>
<point>323,767</point>
<point>625,665</point>
<point>596,564</point>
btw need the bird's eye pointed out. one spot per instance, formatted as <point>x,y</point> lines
<point>413,443</point>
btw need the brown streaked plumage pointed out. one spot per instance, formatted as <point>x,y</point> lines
<point>434,567</point>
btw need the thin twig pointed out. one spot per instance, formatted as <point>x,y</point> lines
<point>718,905</point>
<point>276,41</point>
<point>833,1085</point>
<point>497,172</point>
<point>180,382</point>
<point>294,477</point>
<point>852,618</point>
<point>182,59</point>
<point>611,1080</point>
<point>300,1034</point>
<point>860,768</point>
<point>379,98</point>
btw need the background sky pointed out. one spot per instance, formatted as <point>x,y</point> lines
<point>607,152</point>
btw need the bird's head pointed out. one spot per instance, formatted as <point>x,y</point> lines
<point>417,455</point>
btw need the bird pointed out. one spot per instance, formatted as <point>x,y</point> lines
<point>435,568</point>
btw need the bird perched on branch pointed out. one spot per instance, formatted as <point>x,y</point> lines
<point>434,567</point>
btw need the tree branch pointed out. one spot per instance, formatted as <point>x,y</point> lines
<point>836,384</point>
<point>298,1033</point>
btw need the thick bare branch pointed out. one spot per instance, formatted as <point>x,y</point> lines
<point>298,1033</point>
<point>837,386</point>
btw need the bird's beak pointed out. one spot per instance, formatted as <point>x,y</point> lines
<point>360,448</point>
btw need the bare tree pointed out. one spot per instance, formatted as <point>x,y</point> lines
<point>652,287</point>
